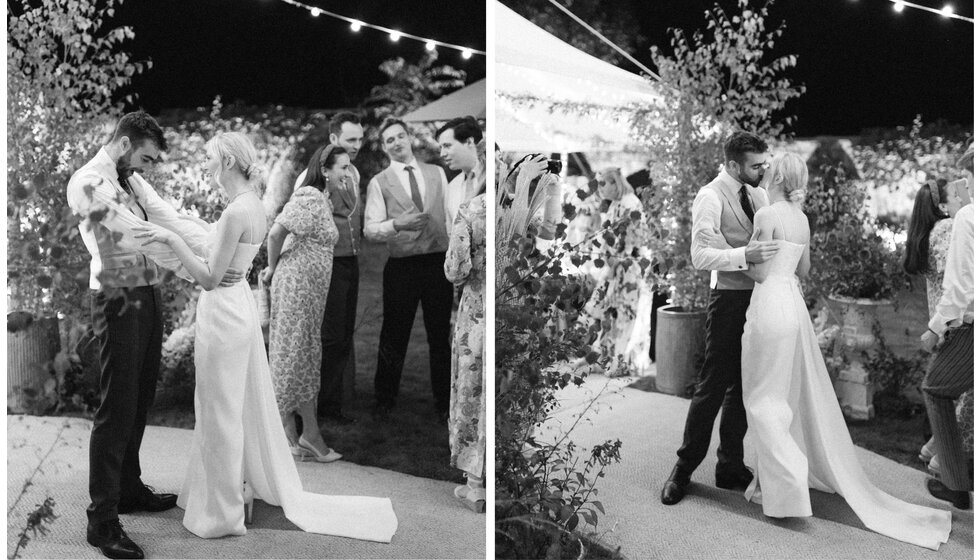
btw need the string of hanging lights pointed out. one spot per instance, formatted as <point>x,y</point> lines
<point>393,34</point>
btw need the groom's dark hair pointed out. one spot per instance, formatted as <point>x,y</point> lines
<point>336,124</point>
<point>139,127</point>
<point>741,143</point>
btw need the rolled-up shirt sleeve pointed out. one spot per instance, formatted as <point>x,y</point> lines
<point>377,226</point>
<point>707,217</point>
<point>956,305</point>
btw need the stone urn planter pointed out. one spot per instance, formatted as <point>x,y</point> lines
<point>680,342</point>
<point>31,344</point>
<point>854,390</point>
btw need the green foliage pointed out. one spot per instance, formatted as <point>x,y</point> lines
<point>544,489</point>
<point>849,256</point>
<point>894,162</point>
<point>713,83</point>
<point>411,86</point>
<point>65,63</point>
<point>37,522</point>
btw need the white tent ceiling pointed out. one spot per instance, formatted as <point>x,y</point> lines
<point>530,62</point>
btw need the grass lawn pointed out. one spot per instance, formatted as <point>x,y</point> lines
<point>411,440</point>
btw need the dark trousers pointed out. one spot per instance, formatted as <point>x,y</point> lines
<point>659,300</point>
<point>408,281</point>
<point>719,386</point>
<point>130,333</point>
<point>950,375</point>
<point>337,333</point>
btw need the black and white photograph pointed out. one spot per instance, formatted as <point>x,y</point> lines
<point>245,279</point>
<point>734,279</point>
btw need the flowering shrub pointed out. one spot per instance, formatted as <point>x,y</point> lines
<point>895,162</point>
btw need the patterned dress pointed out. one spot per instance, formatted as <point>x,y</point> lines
<point>299,295</point>
<point>938,247</point>
<point>622,301</point>
<point>466,265</point>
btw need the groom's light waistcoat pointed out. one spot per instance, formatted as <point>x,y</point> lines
<point>735,227</point>
<point>432,239</point>
<point>116,260</point>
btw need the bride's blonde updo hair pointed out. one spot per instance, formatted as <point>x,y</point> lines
<point>789,172</point>
<point>241,149</point>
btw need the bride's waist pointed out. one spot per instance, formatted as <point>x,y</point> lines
<point>781,277</point>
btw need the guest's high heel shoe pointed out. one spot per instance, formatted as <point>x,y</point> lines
<point>249,495</point>
<point>328,457</point>
<point>475,499</point>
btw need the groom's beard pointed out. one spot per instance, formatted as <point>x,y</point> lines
<point>122,170</point>
<point>742,177</point>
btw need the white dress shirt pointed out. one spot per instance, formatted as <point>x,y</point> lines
<point>707,216</point>
<point>459,192</point>
<point>96,187</point>
<point>956,305</point>
<point>377,225</point>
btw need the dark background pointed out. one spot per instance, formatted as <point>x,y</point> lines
<point>863,65</point>
<point>264,52</point>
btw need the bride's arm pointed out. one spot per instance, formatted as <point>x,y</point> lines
<point>209,274</point>
<point>764,228</point>
<point>803,267</point>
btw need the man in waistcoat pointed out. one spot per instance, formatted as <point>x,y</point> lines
<point>727,206</point>
<point>127,316</point>
<point>337,331</point>
<point>405,207</point>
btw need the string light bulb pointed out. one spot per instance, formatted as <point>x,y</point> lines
<point>355,26</point>
<point>467,53</point>
<point>394,36</point>
<point>947,11</point>
<point>430,46</point>
<point>899,6</point>
<point>315,12</point>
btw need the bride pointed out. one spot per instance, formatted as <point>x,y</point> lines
<point>795,424</point>
<point>239,449</point>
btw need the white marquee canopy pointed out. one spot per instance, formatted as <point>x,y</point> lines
<point>532,63</point>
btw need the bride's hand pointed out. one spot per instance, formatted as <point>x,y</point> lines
<point>232,276</point>
<point>150,233</point>
<point>267,274</point>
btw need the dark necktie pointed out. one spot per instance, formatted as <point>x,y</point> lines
<point>743,197</point>
<point>124,183</point>
<point>414,185</point>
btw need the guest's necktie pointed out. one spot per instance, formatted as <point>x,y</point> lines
<point>743,197</point>
<point>414,185</point>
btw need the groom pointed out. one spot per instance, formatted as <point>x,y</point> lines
<point>727,206</point>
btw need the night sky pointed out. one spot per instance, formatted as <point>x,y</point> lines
<point>266,51</point>
<point>863,64</point>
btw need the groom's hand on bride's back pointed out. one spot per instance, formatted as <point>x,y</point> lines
<point>232,276</point>
<point>760,251</point>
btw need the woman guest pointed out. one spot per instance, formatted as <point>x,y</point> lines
<point>621,304</point>
<point>301,243</point>
<point>925,253</point>
<point>465,265</point>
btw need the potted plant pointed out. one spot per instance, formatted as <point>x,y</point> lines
<point>713,83</point>
<point>855,271</point>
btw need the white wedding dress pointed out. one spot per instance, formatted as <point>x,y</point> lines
<point>239,437</point>
<point>795,424</point>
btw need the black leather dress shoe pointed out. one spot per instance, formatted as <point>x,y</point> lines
<point>959,498</point>
<point>112,541</point>
<point>148,501</point>
<point>675,488</point>
<point>733,479</point>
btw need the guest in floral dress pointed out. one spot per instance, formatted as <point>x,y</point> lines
<point>620,306</point>
<point>465,265</point>
<point>925,253</point>
<point>300,252</point>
